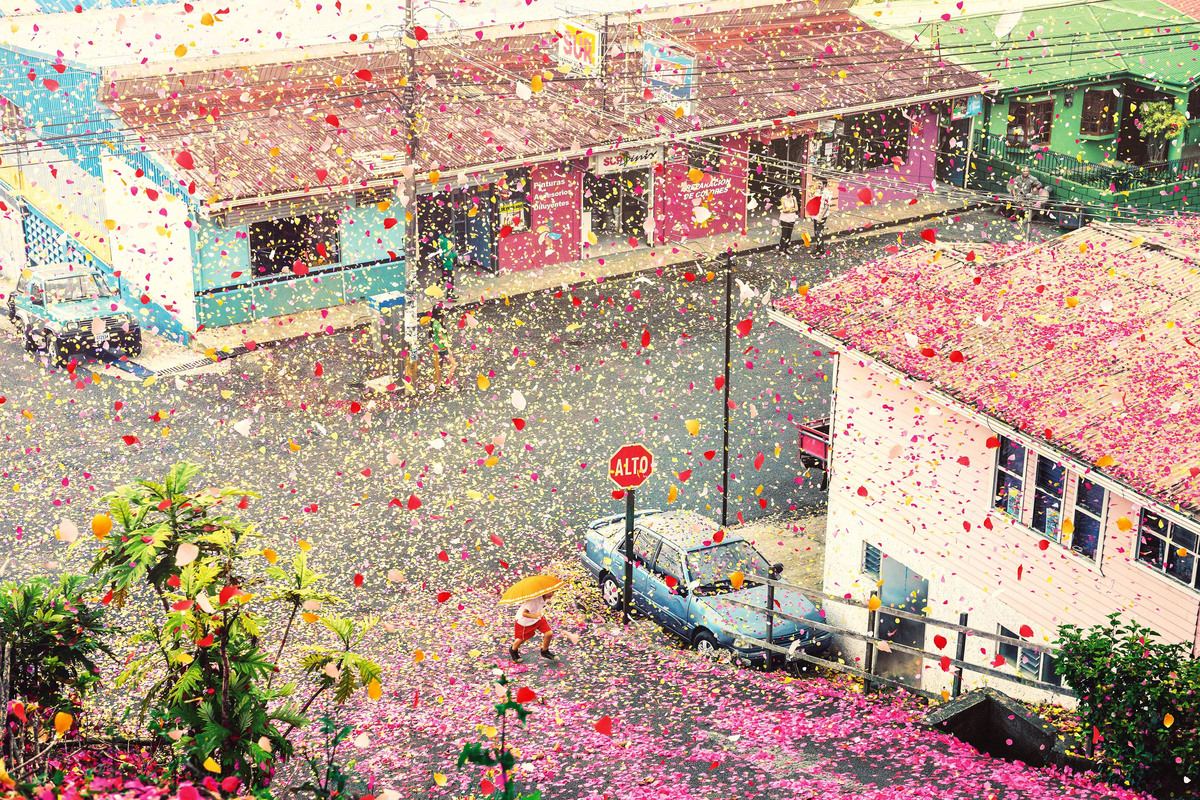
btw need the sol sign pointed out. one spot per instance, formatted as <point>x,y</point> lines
<point>631,466</point>
<point>579,48</point>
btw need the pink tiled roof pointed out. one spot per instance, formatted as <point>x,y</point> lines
<point>1091,343</point>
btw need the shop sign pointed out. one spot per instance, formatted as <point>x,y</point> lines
<point>624,160</point>
<point>963,107</point>
<point>579,48</point>
<point>669,73</point>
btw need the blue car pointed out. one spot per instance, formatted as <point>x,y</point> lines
<point>681,580</point>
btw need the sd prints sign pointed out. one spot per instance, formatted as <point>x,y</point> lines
<point>579,48</point>
<point>624,160</point>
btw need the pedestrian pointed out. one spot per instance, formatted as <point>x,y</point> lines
<point>822,216</point>
<point>531,620</point>
<point>440,342</point>
<point>1027,191</point>
<point>788,214</point>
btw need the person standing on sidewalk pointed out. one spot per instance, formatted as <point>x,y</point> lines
<point>440,342</point>
<point>822,215</point>
<point>788,214</point>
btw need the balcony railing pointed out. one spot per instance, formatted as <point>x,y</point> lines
<point>1116,177</point>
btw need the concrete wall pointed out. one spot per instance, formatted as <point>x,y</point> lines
<point>916,480</point>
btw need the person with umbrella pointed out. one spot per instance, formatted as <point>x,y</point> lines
<point>531,596</point>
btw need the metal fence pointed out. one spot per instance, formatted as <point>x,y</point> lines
<point>1117,177</point>
<point>873,641</point>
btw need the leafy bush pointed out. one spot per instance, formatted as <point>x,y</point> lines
<point>329,779</point>
<point>1141,695</point>
<point>52,637</point>
<point>211,691</point>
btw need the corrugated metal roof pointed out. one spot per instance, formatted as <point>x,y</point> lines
<point>271,135</point>
<point>1092,343</point>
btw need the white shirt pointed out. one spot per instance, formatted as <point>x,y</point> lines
<point>532,608</point>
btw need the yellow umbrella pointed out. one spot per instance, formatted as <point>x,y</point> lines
<point>529,588</point>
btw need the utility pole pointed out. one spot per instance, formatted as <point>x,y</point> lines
<point>602,52</point>
<point>411,269</point>
<point>727,259</point>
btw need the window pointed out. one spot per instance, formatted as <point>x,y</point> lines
<point>670,563</point>
<point>645,544</point>
<point>1098,113</point>
<point>705,155</point>
<point>1028,661</point>
<point>512,199</point>
<point>1010,477</point>
<point>872,560</point>
<point>276,245</point>
<point>1089,518</point>
<point>1167,547</point>
<point>1048,487</point>
<point>1029,122</point>
<point>873,140</point>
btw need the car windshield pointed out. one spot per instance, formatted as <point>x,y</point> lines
<point>711,567</point>
<point>76,287</point>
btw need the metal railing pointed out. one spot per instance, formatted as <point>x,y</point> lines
<point>1117,177</point>
<point>873,642</point>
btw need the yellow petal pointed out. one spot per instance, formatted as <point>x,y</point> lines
<point>419,656</point>
<point>1105,461</point>
<point>434,177</point>
<point>736,579</point>
<point>270,555</point>
<point>1168,721</point>
<point>180,51</point>
<point>374,690</point>
<point>62,722</point>
<point>483,381</point>
<point>1123,524</point>
<point>1137,241</point>
<point>536,83</point>
<point>310,617</point>
<point>672,494</point>
<point>874,603</point>
<point>303,545</point>
<point>184,658</point>
<point>439,779</point>
<point>207,19</point>
<point>693,426</point>
<point>211,765</point>
<point>679,112</point>
<point>695,175</point>
<point>491,461</point>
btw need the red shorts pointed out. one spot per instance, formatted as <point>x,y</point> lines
<point>524,633</point>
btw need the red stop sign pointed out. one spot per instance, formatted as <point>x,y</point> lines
<point>630,466</point>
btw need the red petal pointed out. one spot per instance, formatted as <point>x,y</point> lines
<point>363,74</point>
<point>645,338</point>
<point>332,120</point>
<point>1026,632</point>
<point>443,597</point>
<point>743,327</point>
<point>939,641</point>
<point>862,491</point>
<point>442,556</point>
<point>414,502</point>
<point>709,455</point>
<point>758,461</point>
<point>227,594</point>
<point>318,370</point>
<point>184,159</point>
<point>358,579</point>
<point>420,34</point>
<point>864,196</point>
<point>964,460</point>
<point>519,424</point>
<point>526,695</point>
<point>131,440</point>
<point>604,725</point>
<point>929,235</point>
<point>389,223</point>
<point>683,476</point>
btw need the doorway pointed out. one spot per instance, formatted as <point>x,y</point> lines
<point>953,144</point>
<point>905,590</point>
<point>615,205</point>
<point>1131,147</point>
<point>775,167</point>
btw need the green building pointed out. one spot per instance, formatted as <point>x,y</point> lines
<point>1071,88</point>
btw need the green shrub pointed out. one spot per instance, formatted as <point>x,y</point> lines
<point>210,680</point>
<point>1141,695</point>
<point>53,637</point>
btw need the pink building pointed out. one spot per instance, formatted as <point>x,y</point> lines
<point>1015,438</point>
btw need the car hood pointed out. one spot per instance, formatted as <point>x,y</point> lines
<point>738,619</point>
<point>79,310</point>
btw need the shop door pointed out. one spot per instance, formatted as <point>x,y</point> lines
<point>905,590</point>
<point>602,204</point>
<point>635,194</point>
<point>953,138</point>
<point>479,233</point>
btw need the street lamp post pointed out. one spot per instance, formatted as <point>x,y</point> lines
<point>727,260</point>
<point>410,191</point>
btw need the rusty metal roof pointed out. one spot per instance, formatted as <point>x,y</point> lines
<point>317,126</point>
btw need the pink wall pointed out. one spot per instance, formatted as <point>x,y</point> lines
<point>723,193</point>
<point>918,170</point>
<point>554,198</point>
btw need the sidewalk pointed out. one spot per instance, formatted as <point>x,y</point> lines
<point>763,232</point>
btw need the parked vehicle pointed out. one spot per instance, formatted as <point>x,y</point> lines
<point>681,580</point>
<point>63,309</point>
<point>815,449</point>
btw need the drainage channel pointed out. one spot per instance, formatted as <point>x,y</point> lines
<point>218,357</point>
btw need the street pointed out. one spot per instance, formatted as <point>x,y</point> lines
<point>383,483</point>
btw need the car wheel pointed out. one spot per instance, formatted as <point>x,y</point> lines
<point>54,350</point>
<point>27,333</point>
<point>610,592</point>
<point>706,645</point>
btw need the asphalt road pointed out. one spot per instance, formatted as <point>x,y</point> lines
<point>329,474</point>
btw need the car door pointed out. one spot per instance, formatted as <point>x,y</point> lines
<point>18,291</point>
<point>667,589</point>
<point>645,548</point>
